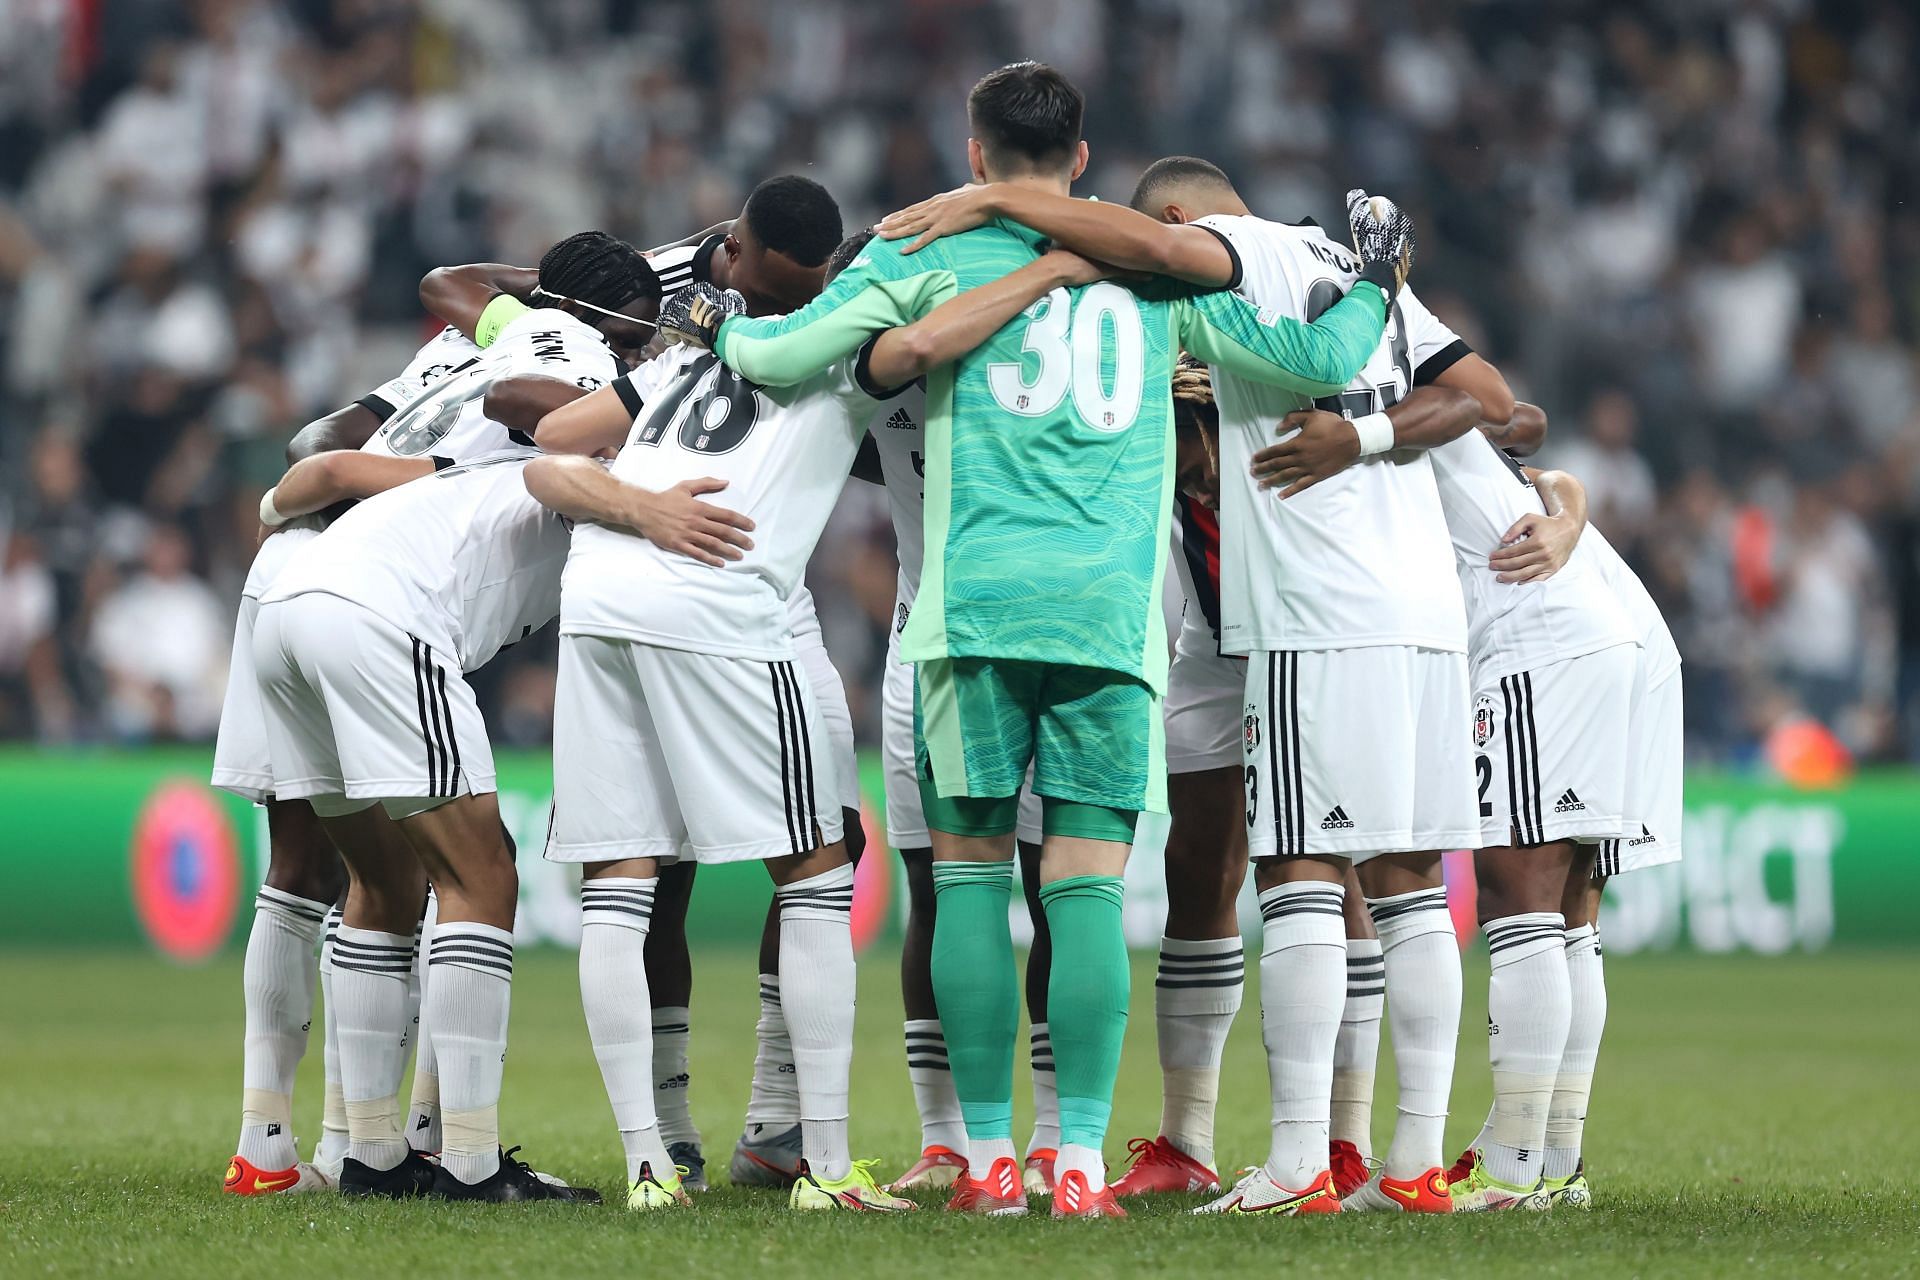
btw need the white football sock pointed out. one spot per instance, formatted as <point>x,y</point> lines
<point>277,980</point>
<point>370,972</point>
<point>1422,957</point>
<point>1046,1094</point>
<point>1303,964</point>
<point>1197,992</point>
<point>816,939</point>
<point>1356,1051</point>
<point>423,1110</point>
<point>1573,1086</point>
<point>672,1099</point>
<point>941,1124</point>
<point>982,1153</point>
<point>615,913</point>
<point>332,1147</point>
<point>1088,1160</point>
<point>469,993</point>
<point>775,1099</point>
<point>1529,1012</point>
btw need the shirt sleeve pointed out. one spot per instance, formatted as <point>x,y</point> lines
<point>1314,359</point>
<point>497,315</point>
<point>1432,348</point>
<point>881,290</point>
<point>448,351</point>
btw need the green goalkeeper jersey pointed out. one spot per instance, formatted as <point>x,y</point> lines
<point>1049,448</point>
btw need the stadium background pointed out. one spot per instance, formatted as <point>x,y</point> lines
<point>1687,228</point>
<point>1688,231</point>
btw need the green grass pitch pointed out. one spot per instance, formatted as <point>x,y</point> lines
<point>1752,1117</point>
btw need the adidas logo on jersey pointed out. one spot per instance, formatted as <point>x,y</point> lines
<point>1569,802</point>
<point>901,420</point>
<point>1337,820</point>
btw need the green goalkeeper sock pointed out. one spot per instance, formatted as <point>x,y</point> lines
<point>1086,1003</point>
<point>975,988</point>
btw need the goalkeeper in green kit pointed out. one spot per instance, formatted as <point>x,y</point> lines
<point>1037,634</point>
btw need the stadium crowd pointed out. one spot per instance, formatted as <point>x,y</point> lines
<point>213,217</point>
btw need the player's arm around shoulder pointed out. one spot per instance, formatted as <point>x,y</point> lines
<point>1315,359</point>
<point>675,519</point>
<point>968,319</point>
<point>316,483</point>
<point>881,290</point>
<point>1539,546</point>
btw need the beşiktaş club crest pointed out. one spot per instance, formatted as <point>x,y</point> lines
<point>1482,720</point>
<point>1250,728</point>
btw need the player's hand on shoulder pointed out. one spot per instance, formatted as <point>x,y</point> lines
<point>947,214</point>
<point>676,520</point>
<point>1382,234</point>
<point>693,315</point>
<point>1535,548</point>
<point>1324,445</point>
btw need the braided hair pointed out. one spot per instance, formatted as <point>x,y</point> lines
<point>846,251</point>
<point>597,268</point>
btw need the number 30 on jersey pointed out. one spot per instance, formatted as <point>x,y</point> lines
<point>1070,344</point>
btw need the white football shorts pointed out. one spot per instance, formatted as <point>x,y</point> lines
<point>1204,711</point>
<point>906,820</point>
<point>1656,774</point>
<point>359,711</point>
<point>1357,752</point>
<point>661,751</point>
<point>1551,749</point>
<point>241,763</point>
<point>830,698</point>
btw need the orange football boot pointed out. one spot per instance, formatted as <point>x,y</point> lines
<point>1072,1198</point>
<point>998,1195</point>
<point>1349,1168</point>
<point>1158,1165</point>
<point>246,1179</point>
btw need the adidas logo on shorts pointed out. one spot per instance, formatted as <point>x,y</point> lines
<point>1337,820</point>
<point>1645,837</point>
<point>1569,803</point>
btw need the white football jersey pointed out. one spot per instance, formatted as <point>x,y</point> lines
<point>784,452</point>
<point>1649,624</point>
<point>1360,559</point>
<point>1511,626</point>
<point>899,435</point>
<point>439,356</point>
<point>445,420</point>
<point>464,559</point>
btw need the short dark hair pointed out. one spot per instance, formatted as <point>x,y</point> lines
<point>1172,171</point>
<point>1026,114</point>
<point>592,266</point>
<point>794,216</point>
<point>847,250</point>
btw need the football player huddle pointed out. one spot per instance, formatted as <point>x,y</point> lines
<point>1397,640</point>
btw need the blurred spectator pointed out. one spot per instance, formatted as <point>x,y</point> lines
<point>1691,232</point>
<point>161,641</point>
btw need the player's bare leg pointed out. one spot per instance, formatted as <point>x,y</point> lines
<point>617,901</point>
<point>372,962</point>
<point>1356,1053</point>
<point>1043,1145</point>
<point>943,1135</point>
<point>304,880</point>
<point>1087,996</point>
<point>1302,993</point>
<point>670,984</point>
<point>1529,1016</point>
<point>1200,983</point>
<point>465,851</point>
<point>1421,960</point>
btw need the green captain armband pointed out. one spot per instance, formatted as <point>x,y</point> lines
<point>497,315</point>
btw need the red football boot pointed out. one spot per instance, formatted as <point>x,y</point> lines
<point>1158,1166</point>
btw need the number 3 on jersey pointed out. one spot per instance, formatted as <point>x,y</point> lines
<point>1070,345</point>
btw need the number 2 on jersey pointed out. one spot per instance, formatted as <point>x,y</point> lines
<point>1069,343</point>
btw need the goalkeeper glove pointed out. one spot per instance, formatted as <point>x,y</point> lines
<point>694,314</point>
<point>1383,237</point>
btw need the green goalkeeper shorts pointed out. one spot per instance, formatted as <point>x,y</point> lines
<point>1094,737</point>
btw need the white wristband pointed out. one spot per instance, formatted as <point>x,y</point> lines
<point>269,514</point>
<point>1375,432</point>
